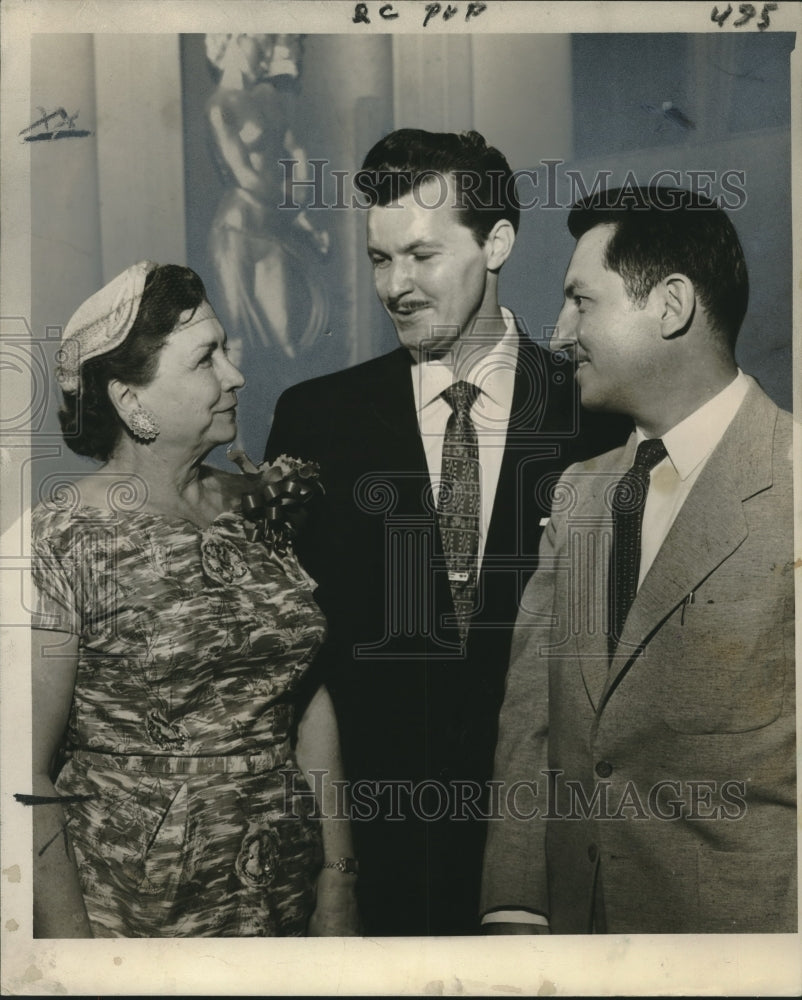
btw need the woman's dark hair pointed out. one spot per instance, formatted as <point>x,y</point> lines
<point>89,421</point>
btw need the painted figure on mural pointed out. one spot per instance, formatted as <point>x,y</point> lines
<point>262,251</point>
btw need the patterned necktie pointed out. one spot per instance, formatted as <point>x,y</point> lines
<point>459,500</point>
<point>629,499</point>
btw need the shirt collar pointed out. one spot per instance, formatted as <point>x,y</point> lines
<point>494,372</point>
<point>693,439</point>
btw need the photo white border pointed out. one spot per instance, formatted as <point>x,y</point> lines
<point>604,965</point>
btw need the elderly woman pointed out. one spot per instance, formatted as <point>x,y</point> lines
<point>169,643</point>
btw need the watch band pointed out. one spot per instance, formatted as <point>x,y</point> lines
<point>348,866</point>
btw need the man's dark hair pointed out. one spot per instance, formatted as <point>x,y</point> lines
<point>89,421</point>
<point>405,159</point>
<point>661,231</point>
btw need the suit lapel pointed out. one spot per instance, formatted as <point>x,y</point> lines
<point>392,404</point>
<point>707,530</point>
<point>709,527</point>
<point>399,460</point>
<point>529,397</point>
<point>593,521</point>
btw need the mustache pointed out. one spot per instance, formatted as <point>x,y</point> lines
<point>401,303</point>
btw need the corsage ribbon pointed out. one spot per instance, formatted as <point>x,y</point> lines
<point>274,507</point>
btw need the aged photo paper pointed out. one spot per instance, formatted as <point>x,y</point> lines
<point>107,160</point>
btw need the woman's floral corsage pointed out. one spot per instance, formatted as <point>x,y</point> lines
<point>274,505</point>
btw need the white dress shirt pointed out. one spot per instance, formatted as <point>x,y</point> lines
<point>689,445</point>
<point>494,374</point>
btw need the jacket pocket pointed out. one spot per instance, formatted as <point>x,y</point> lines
<point>724,667</point>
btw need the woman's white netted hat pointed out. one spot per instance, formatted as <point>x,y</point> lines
<point>101,323</point>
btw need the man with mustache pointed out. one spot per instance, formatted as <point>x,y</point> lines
<point>437,461</point>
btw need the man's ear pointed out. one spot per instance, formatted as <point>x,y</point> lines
<point>499,243</point>
<point>676,302</point>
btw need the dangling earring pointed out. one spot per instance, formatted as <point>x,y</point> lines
<point>143,424</point>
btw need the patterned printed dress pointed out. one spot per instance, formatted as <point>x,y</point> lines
<point>198,821</point>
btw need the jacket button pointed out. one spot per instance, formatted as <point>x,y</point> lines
<point>593,852</point>
<point>604,769</point>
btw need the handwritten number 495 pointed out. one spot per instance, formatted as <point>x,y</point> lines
<point>747,12</point>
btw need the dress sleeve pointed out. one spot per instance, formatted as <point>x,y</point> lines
<point>54,600</point>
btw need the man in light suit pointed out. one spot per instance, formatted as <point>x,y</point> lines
<point>660,733</point>
<point>417,650</point>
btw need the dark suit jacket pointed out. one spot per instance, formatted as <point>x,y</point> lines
<point>688,738</point>
<point>411,705</point>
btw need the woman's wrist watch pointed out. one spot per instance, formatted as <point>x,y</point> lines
<point>348,866</point>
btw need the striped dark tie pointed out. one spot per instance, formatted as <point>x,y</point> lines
<point>459,501</point>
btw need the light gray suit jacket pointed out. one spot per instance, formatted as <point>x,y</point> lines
<point>687,740</point>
